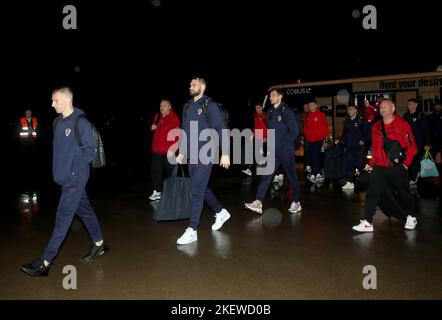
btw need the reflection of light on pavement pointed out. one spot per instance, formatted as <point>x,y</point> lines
<point>154,204</point>
<point>348,193</point>
<point>363,239</point>
<point>222,244</point>
<point>411,237</point>
<point>189,249</point>
<point>295,218</point>
<point>255,224</point>
<point>28,204</point>
<point>271,218</point>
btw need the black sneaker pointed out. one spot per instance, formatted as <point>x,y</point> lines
<point>96,251</point>
<point>36,268</point>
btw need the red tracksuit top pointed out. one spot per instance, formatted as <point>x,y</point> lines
<point>159,142</point>
<point>260,123</point>
<point>398,130</point>
<point>316,127</point>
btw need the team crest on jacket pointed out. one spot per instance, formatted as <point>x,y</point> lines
<point>316,119</point>
<point>356,125</point>
<point>414,119</point>
<point>199,111</point>
<point>67,132</point>
<point>279,118</point>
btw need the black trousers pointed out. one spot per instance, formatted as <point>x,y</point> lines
<point>416,164</point>
<point>391,177</point>
<point>159,165</point>
<point>314,156</point>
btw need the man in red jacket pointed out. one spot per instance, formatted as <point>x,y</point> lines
<point>387,174</point>
<point>259,133</point>
<point>163,122</point>
<point>369,112</point>
<point>315,131</point>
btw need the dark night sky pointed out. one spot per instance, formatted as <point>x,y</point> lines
<point>132,53</point>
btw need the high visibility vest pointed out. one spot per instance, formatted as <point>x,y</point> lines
<point>25,130</point>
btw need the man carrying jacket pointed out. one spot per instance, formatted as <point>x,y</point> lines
<point>70,169</point>
<point>164,121</point>
<point>386,172</point>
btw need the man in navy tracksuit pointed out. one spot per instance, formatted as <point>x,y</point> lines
<point>282,120</point>
<point>203,112</point>
<point>71,171</point>
<point>356,136</point>
<point>421,131</point>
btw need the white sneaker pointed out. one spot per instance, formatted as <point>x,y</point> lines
<point>155,196</point>
<point>319,177</point>
<point>220,218</point>
<point>364,226</point>
<point>295,207</point>
<point>312,178</point>
<point>247,172</point>
<point>348,185</point>
<point>255,206</point>
<point>188,236</point>
<point>411,223</point>
<point>281,180</point>
<point>308,169</point>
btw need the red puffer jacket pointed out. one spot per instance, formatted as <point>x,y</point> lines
<point>398,130</point>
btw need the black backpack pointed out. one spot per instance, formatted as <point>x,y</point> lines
<point>100,159</point>
<point>393,149</point>
<point>205,111</point>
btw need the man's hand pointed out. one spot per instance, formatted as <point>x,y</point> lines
<point>406,168</point>
<point>225,161</point>
<point>427,148</point>
<point>361,143</point>
<point>180,158</point>
<point>154,127</point>
<point>368,168</point>
<point>337,141</point>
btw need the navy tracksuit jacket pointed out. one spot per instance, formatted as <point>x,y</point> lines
<point>282,121</point>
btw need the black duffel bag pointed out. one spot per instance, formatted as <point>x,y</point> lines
<point>176,198</point>
<point>334,166</point>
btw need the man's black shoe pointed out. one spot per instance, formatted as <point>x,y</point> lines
<point>36,268</point>
<point>96,251</point>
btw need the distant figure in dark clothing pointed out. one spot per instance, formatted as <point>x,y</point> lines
<point>420,125</point>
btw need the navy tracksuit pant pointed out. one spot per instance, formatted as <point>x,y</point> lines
<point>73,201</point>
<point>314,156</point>
<point>199,176</point>
<point>287,162</point>
<point>416,164</point>
<point>354,159</point>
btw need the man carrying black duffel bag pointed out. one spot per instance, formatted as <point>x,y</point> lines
<point>393,150</point>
